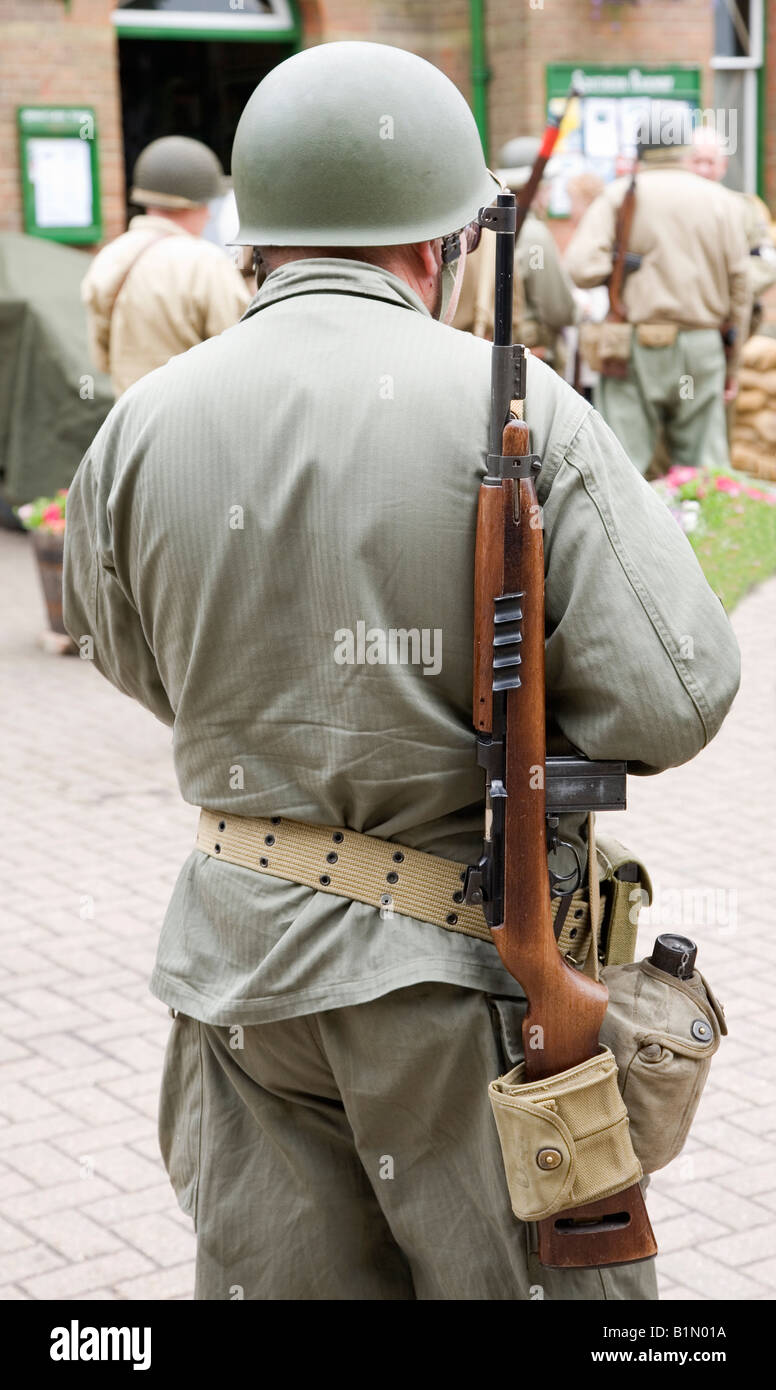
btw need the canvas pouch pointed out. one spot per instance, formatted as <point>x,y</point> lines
<point>565,1140</point>
<point>657,335</point>
<point>663,1033</point>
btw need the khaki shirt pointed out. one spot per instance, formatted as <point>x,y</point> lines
<point>543,294</point>
<point>181,291</point>
<point>689,231</point>
<point>316,467</point>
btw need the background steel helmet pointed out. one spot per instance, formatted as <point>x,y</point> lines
<point>516,160</point>
<point>356,144</point>
<point>176,172</point>
<point>515,153</point>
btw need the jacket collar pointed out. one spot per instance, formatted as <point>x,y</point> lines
<point>332,275</point>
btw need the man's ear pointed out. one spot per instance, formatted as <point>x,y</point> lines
<point>429,255</point>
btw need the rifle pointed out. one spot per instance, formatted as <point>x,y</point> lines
<point>528,192</point>
<point>624,261</point>
<point>511,879</point>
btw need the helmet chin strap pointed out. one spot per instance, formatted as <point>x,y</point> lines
<point>455,294</point>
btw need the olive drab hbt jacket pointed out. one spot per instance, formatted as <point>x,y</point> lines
<point>316,468</point>
<point>154,292</point>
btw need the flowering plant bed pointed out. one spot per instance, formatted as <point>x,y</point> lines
<point>44,514</point>
<point>730,522</point>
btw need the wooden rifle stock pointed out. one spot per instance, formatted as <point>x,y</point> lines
<point>565,1008</point>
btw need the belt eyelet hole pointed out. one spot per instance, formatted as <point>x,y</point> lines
<point>451,919</point>
<point>269,839</point>
<point>222,825</point>
<point>392,877</point>
<point>217,849</point>
<point>324,879</point>
<point>263,862</point>
<point>332,857</point>
<point>338,837</point>
<point>398,858</point>
<point>458,896</point>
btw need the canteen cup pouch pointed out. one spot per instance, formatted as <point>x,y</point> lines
<point>663,1033</point>
<point>564,1140</point>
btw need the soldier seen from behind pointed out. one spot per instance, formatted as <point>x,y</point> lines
<point>686,306</point>
<point>159,288</point>
<point>248,529</point>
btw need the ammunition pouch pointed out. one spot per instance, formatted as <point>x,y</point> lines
<point>565,1140</point>
<point>606,347</point>
<point>657,335</point>
<point>625,888</point>
<point>614,348</point>
<point>663,1033</point>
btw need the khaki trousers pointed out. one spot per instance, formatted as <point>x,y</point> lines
<point>352,1154</point>
<point>677,390</point>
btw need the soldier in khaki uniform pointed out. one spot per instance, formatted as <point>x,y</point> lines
<point>693,281</point>
<point>543,294</point>
<point>160,288</point>
<point>242,514</point>
<point>708,160</point>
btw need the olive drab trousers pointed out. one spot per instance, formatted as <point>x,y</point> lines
<point>352,1155</point>
<point>678,390</point>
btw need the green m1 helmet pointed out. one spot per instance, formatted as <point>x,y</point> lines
<point>356,144</point>
<point>176,172</point>
<point>519,152</point>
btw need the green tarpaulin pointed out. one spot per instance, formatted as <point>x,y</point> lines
<point>52,400</point>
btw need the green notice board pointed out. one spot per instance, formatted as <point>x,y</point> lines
<point>599,131</point>
<point>60,174</point>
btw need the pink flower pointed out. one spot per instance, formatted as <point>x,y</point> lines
<point>677,477</point>
<point>56,526</point>
<point>52,513</point>
<point>725,484</point>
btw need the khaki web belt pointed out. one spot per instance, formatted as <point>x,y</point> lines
<point>387,876</point>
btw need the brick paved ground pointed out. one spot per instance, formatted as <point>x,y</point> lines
<point>94,834</point>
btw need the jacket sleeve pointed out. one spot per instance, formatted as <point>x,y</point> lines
<point>739,273</point>
<point>590,253</point>
<point>549,293</point>
<point>96,605</point>
<point>642,662</point>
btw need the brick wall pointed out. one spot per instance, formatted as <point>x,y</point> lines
<point>523,38</point>
<point>49,54</point>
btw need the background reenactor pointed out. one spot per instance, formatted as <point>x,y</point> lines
<point>708,159</point>
<point>324,1112</point>
<point>693,283</point>
<point>160,288</point>
<point>544,295</point>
